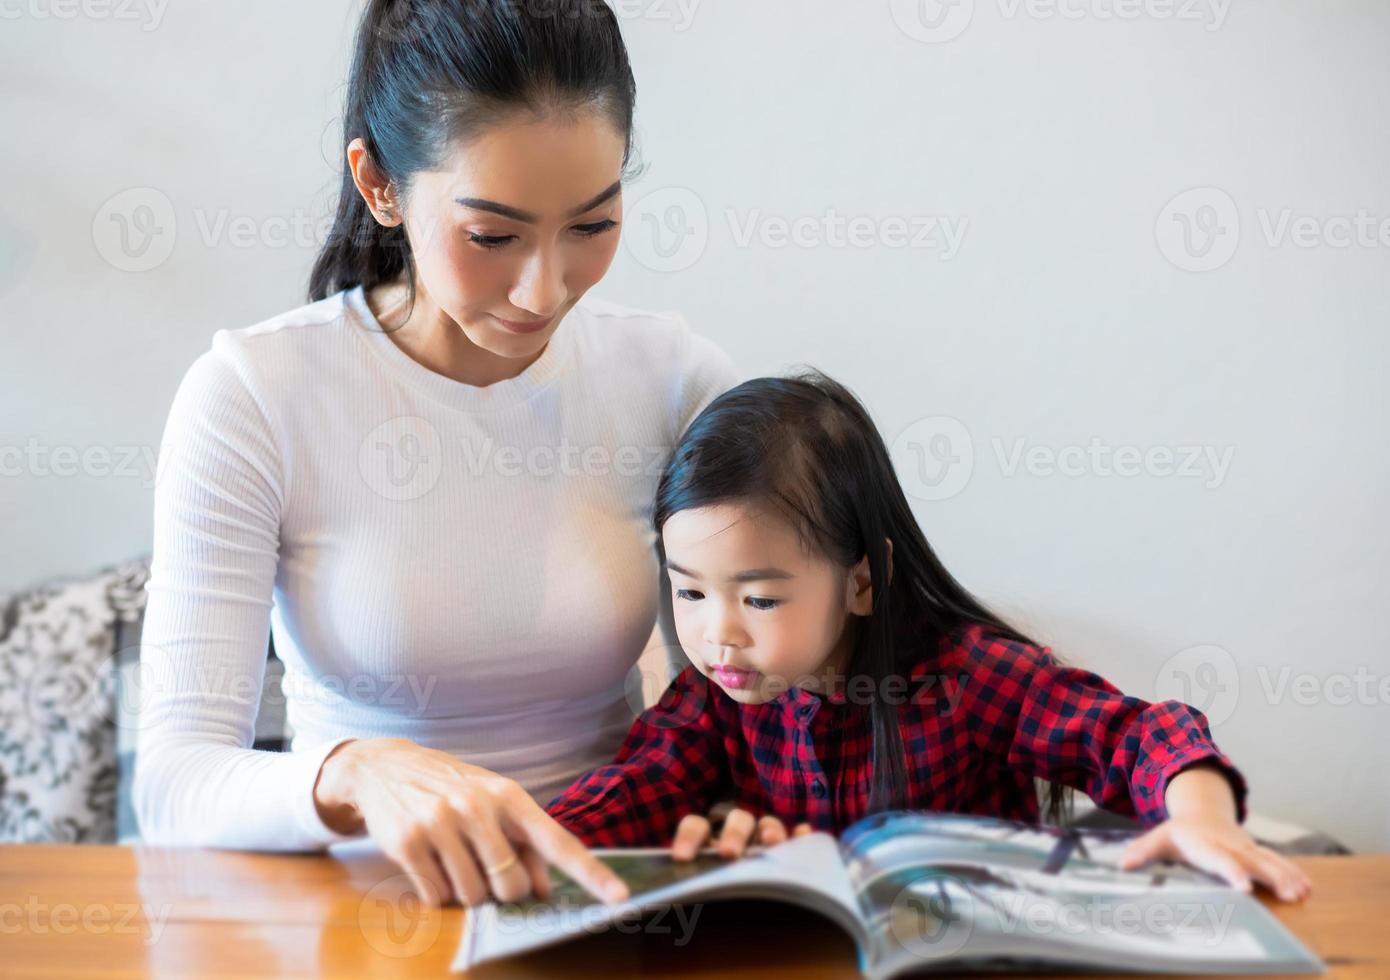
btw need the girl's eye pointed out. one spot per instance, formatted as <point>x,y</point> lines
<point>758,602</point>
<point>688,595</point>
<point>595,228</point>
<point>490,241</point>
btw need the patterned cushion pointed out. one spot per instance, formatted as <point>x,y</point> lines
<point>58,772</point>
<point>69,702</point>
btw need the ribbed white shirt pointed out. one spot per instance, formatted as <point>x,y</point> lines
<point>470,568</point>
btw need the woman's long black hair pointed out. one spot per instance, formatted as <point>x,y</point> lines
<point>428,73</point>
<point>806,446</point>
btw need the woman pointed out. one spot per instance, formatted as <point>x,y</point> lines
<point>433,482</point>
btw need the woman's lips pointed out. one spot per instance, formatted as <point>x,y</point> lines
<point>734,677</point>
<point>528,327</point>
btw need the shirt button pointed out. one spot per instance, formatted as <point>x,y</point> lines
<point>818,789</point>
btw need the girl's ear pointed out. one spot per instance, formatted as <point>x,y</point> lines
<point>860,597</point>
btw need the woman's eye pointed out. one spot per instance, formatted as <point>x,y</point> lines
<point>490,241</point>
<point>596,228</point>
<point>688,595</point>
<point>758,602</point>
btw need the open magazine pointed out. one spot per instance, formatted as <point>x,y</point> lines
<point>926,892</point>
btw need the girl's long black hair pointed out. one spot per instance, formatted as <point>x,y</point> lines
<point>427,73</point>
<point>806,446</point>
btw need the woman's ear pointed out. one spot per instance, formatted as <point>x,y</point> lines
<point>860,598</point>
<point>375,189</point>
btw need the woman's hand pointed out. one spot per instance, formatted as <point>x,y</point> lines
<point>459,832</point>
<point>740,829</point>
<point>1223,847</point>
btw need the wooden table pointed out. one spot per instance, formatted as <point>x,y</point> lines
<point>70,911</point>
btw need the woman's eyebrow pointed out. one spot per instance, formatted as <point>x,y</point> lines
<point>507,211</point>
<point>750,575</point>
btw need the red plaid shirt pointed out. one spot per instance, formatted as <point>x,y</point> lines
<point>979,721</point>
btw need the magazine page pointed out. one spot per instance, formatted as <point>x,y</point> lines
<point>806,871</point>
<point>953,892</point>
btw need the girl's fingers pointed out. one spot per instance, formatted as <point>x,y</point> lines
<point>465,881</point>
<point>1144,849</point>
<point>1281,876</point>
<point>802,829</point>
<point>1224,863</point>
<point>691,834</point>
<point>737,832</point>
<point>771,831</point>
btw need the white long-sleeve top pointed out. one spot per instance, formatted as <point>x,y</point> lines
<point>469,568</point>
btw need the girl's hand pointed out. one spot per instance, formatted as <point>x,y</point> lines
<point>1224,848</point>
<point>456,830</point>
<point>740,829</point>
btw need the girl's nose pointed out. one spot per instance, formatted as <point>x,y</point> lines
<point>724,633</point>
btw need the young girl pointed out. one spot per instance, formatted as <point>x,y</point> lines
<point>839,669</point>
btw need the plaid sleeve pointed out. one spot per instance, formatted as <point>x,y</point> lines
<point>1073,726</point>
<point>670,765</point>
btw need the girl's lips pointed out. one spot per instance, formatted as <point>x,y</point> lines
<point>734,677</point>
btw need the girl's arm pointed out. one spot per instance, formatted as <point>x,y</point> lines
<point>1201,828</point>
<point>670,764</point>
<point>1156,761</point>
<point>1067,724</point>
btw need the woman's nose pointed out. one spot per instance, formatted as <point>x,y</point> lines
<point>541,288</point>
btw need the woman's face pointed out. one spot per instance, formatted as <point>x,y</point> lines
<point>516,226</point>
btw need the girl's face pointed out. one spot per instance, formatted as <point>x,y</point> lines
<point>515,227</point>
<point>754,611</point>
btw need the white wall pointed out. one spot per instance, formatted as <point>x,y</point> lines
<point>1062,319</point>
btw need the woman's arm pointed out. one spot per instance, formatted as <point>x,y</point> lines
<point>218,499</point>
